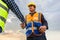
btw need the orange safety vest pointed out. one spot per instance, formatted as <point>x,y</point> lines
<point>30,19</point>
<point>35,17</point>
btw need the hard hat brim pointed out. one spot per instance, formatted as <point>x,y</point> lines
<point>32,5</point>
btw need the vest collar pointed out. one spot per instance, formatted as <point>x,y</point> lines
<point>32,13</point>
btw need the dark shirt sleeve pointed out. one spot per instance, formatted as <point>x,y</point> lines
<point>12,5</point>
<point>44,22</point>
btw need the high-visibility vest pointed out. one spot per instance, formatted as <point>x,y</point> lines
<point>3,14</point>
<point>33,23</point>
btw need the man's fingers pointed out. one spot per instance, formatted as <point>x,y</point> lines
<point>43,27</point>
<point>42,31</point>
<point>22,25</point>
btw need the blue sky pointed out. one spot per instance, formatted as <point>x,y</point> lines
<point>50,9</point>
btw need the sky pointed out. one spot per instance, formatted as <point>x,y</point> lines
<point>49,8</point>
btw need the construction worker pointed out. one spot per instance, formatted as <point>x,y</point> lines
<point>36,25</point>
<point>5,5</point>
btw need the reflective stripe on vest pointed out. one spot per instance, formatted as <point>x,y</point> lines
<point>3,14</point>
<point>3,19</point>
<point>35,28</point>
<point>3,7</point>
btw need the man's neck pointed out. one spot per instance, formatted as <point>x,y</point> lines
<point>32,13</point>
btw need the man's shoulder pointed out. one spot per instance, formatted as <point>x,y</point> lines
<point>27,15</point>
<point>39,12</point>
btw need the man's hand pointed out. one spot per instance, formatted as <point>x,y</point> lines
<point>22,25</point>
<point>42,29</point>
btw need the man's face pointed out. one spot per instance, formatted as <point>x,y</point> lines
<point>31,8</point>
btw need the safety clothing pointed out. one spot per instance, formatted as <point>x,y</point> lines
<point>3,14</point>
<point>32,3</point>
<point>33,23</point>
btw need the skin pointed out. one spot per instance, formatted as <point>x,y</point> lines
<point>42,29</point>
<point>22,25</point>
<point>32,9</point>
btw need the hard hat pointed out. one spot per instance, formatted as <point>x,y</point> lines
<point>31,4</point>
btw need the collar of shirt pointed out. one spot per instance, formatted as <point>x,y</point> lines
<point>32,13</point>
